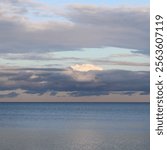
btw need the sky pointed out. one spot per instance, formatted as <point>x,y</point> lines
<point>74,51</point>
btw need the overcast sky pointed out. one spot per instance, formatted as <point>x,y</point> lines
<point>71,50</point>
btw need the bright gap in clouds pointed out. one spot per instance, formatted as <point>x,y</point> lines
<point>106,58</point>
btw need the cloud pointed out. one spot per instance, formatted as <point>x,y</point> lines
<point>89,93</point>
<point>41,81</point>
<point>9,95</point>
<point>56,61</point>
<point>85,67</point>
<point>28,56</point>
<point>33,76</point>
<point>21,8</point>
<point>80,76</point>
<point>83,26</point>
<point>121,63</point>
<point>125,25</point>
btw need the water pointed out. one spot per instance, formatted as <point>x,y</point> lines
<point>74,126</point>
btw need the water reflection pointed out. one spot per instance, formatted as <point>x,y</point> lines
<point>78,126</point>
<point>86,140</point>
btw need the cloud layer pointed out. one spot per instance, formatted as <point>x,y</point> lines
<point>81,26</point>
<point>41,81</point>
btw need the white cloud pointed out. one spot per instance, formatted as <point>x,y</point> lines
<point>34,76</point>
<point>80,76</point>
<point>86,67</point>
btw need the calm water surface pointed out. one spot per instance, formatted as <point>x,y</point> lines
<point>74,126</point>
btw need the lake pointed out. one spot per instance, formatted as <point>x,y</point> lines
<point>74,126</point>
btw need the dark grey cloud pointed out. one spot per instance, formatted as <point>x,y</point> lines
<point>36,57</point>
<point>9,95</point>
<point>76,83</point>
<point>85,27</point>
<point>126,27</point>
<point>89,93</point>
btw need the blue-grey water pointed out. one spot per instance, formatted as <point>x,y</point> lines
<point>74,126</point>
